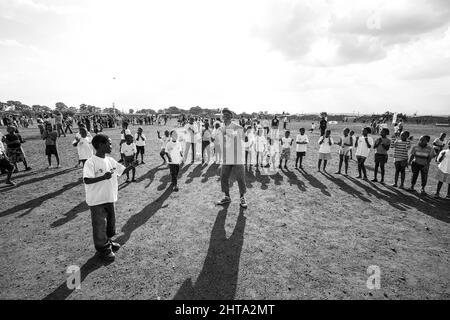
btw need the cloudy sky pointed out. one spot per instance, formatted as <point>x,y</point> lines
<point>274,55</point>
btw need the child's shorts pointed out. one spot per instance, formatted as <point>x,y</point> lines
<point>324,156</point>
<point>301,153</point>
<point>49,150</point>
<point>381,158</point>
<point>128,160</point>
<point>140,149</point>
<point>15,154</point>
<point>442,176</point>
<point>285,154</point>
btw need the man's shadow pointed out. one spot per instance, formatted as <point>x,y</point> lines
<point>218,278</point>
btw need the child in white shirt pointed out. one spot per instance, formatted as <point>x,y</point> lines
<point>140,144</point>
<point>174,151</point>
<point>216,138</point>
<point>163,141</point>
<point>363,145</point>
<point>84,147</point>
<point>325,143</point>
<point>249,145</point>
<point>286,144</point>
<point>301,146</point>
<point>261,146</point>
<point>128,149</point>
<point>100,174</point>
<point>443,174</point>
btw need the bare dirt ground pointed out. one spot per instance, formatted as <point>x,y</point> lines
<point>304,235</point>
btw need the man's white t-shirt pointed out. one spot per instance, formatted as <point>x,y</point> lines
<point>128,149</point>
<point>261,143</point>
<point>174,150</point>
<point>325,146</point>
<point>140,142</point>
<point>301,147</point>
<point>84,148</point>
<point>104,191</point>
<point>362,149</point>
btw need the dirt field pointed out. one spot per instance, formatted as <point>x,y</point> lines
<point>304,235</point>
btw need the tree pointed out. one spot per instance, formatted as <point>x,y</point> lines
<point>61,107</point>
<point>83,108</point>
<point>148,111</point>
<point>71,111</point>
<point>111,110</point>
<point>40,109</point>
<point>131,111</point>
<point>196,110</point>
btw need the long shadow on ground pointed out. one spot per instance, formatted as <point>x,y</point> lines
<point>315,183</point>
<point>62,292</point>
<point>218,278</point>
<point>30,205</point>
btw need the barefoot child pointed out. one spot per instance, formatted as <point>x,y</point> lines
<point>274,152</point>
<point>363,145</point>
<point>128,149</point>
<point>346,144</point>
<point>301,144</point>
<point>14,149</point>
<point>325,143</point>
<point>419,160</point>
<point>249,146</point>
<point>140,144</point>
<point>215,137</point>
<point>401,148</point>
<point>352,135</point>
<point>443,174</point>
<point>100,174</point>
<point>175,154</point>
<point>6,166</point>
<point>438,144</point>
<point>84,147</point>
<point>382,145</point>
<point>50,137</point>
<point>286,144</point>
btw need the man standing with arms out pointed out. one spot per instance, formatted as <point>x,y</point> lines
<point>233,156</point>
<point>323,126</point>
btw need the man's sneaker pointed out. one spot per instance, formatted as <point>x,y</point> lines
<point>114,246</point>
<point>175,188</point>
<point>243,203</point>
<point>49,167</point>
<point>374,180</point>
<point>27,168</point>
<point>437,196</point>
<point>107,256</point>
<point>394,185</point>
<point>224,201</point>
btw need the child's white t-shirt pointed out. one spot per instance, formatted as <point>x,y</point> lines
<point>444,166</point>
<point>174,150</point>
<point>127,132</point>
<point>261,143</point>
<point>163,141</point>
<point>84,148</point>
<point>286,143</point>
<point>362,150</point>
<point>128,149</point>
<point>325,146</point>
<point>140,142</point>
<point>250,142</point>
<point>301,147</point>
<point>104,191</point>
